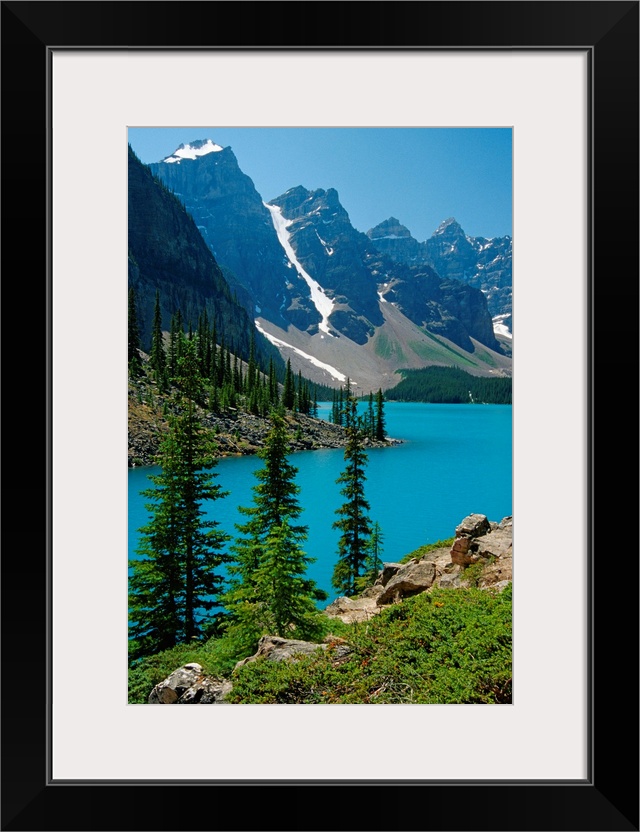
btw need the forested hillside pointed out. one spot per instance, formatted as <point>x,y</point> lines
<point>448,385</point>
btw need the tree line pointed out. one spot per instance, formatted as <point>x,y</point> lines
<point>228,382</point>
<point>450,385</point>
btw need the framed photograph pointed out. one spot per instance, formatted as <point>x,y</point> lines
<point>563,79</point>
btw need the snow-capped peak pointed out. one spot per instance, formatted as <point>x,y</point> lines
<point>191,151</point>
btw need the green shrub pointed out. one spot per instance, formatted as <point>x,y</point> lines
<point>443,647</point>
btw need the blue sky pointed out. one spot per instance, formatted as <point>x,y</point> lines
<point>421,176</point>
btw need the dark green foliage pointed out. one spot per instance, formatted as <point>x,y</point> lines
<point>370,419</point>
<point>217,655</point>
<point>157,358</point>
<point>175,582</point>
<point>448,646</point>
<point>289,391</point>
<point>373,561</point>
<point>270,593</point>
<point>380,424</point>
<point>353,523</point>
<point>133,350</point>
<point>449,385</point>
<point>176,342</point>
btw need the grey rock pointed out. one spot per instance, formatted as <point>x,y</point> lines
<point>276,649</point>
<point>474,525</point>
<point>388,572</point>
<point>349,610</point>
<point>410,580</point>
<point>189,686</point>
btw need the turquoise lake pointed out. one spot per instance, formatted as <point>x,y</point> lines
<point>455,460</point>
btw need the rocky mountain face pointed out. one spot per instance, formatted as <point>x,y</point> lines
<point>333,254</point>
<point>167,253</point>
<point>356,277</point>
<point>238,228</point>
<point>319,289</point>
<point>483,263</point>
<point>443,306</point>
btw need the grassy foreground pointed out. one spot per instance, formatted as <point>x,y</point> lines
<point>443,646</point>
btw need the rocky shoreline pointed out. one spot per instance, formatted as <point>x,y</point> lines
<point>236,433</point>
<point>479,543</point>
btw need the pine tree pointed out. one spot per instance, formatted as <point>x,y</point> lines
<point>203,341</point>
<point>270,593</point>
<point>251,366</point>
<point>289,392</point>
<point>274,395</point>
<point>346,404</point>
<point>158,359</point>
<point>373,562</point>
<point>133,352</point>
<point>339,407</point>
<point>371,419</point>
<point>176,342</point>
<point>354,523</point>
<point>175,582</point>
<point>381,428</point>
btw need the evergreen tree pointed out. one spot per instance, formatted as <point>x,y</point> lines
<point>176,342</point>
<point>133,352</point>
<point>339,408</point>
<point>274,395</point>
<point>158,359</point>
<point>346,404</point>
<point>334,408</point>
<point>371,419</point>
<point>373,562</point>
<point>381,428</point>
<point>353,522</point>
<point>270,593</point>
<point>175,583</point>
<point>251,368</point>
<point>203,342</point>
<point>289,392</point>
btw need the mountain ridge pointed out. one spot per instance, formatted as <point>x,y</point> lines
<point>323,292</point>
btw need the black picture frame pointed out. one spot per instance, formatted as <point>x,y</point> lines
<point>608,799</point>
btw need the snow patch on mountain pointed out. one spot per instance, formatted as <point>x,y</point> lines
<point>501,328</point>
<point>323,304</point>
<point>280,343</point>
<point>327,247</point>
<point>192,151</point>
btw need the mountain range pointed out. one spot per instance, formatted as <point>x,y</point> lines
<point>335,301</point>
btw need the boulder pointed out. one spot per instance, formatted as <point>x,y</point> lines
<point>449,580</point>
<point>462,552</point>
<point>372,591</point>
<point>387,572</point>
<point>276,649</point>
<point>410,580</point>
<point>477,539</point>
<point>497,544</point>
<point>474,525</point>
<point>349,610</point>
<point>189,686</point>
